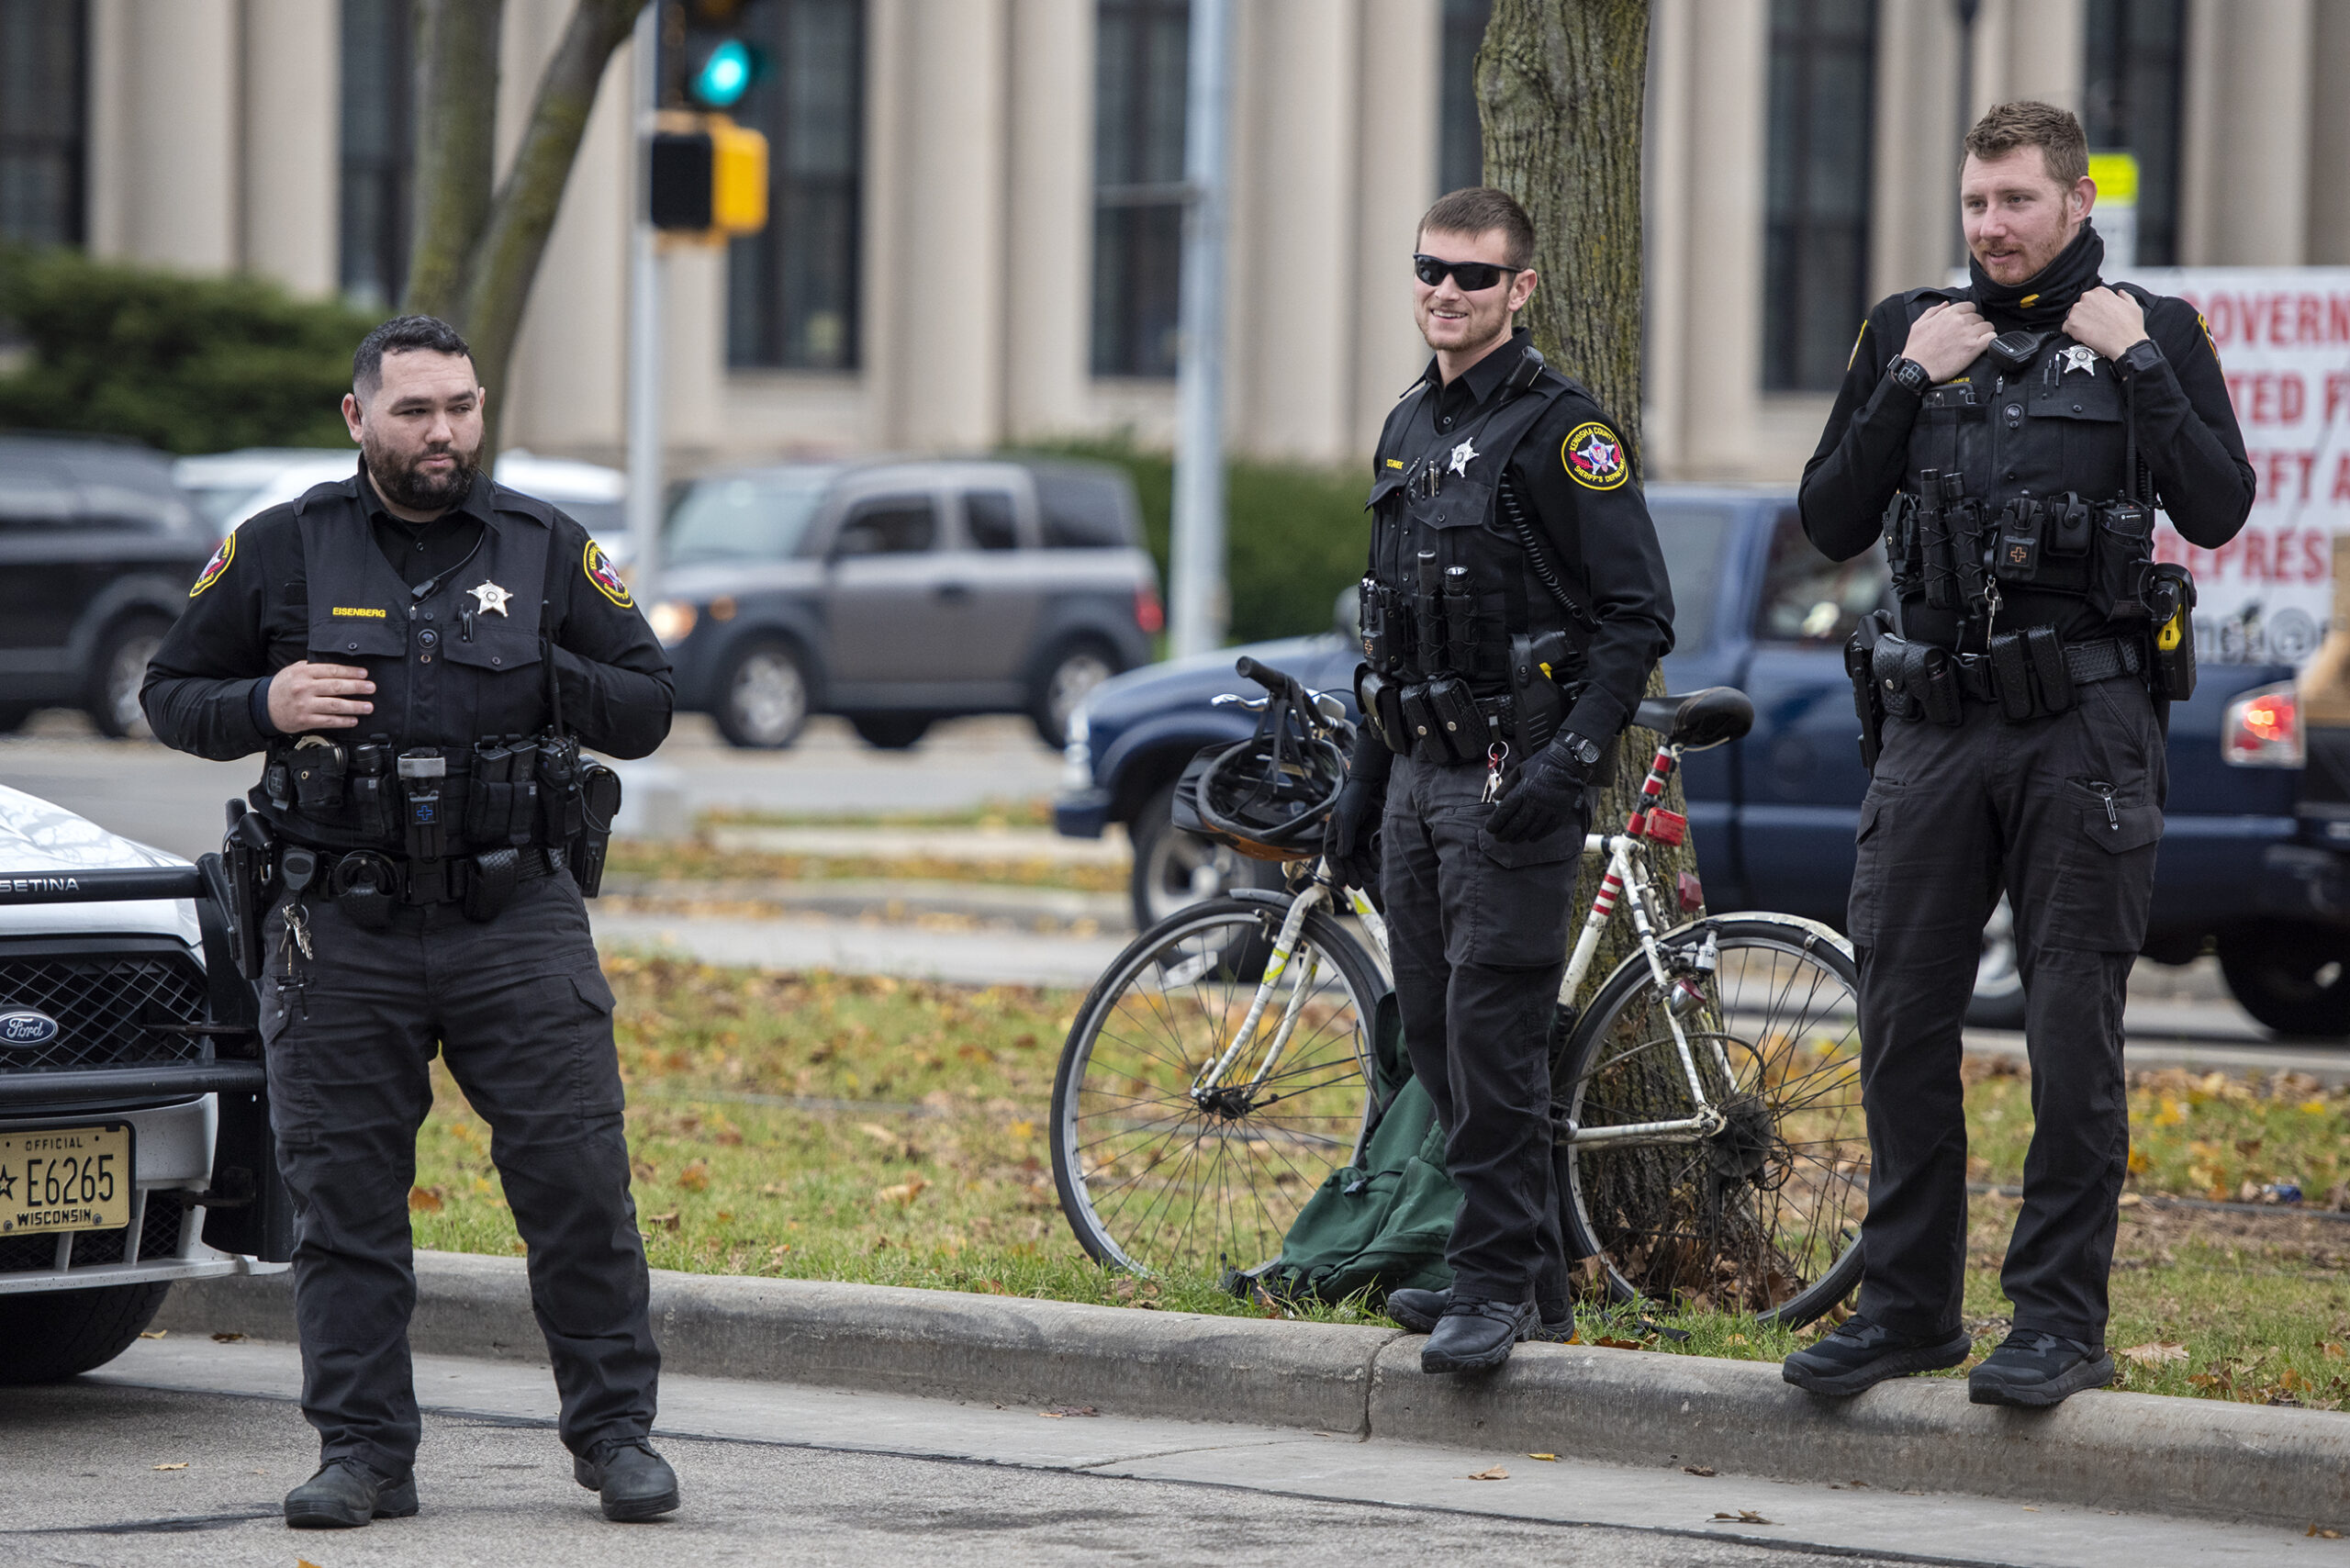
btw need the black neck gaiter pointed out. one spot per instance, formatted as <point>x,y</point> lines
<point>2041,301</point>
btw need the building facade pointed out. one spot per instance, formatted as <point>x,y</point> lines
<point>977,204</point>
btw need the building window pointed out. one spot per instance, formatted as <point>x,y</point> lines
<point>1141,49</point>
<point>43,63</point>
<point>378,150</point>
<point>791,294</point>
<point>1460,137</point>
<point>2132,95</point>
<point>1816,236</point>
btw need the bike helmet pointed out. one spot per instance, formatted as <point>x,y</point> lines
<point>1266,797</point>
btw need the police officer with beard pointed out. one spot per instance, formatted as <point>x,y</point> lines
<point>2009,439</point>
<point>1515,603</point>
<point>419,652</point>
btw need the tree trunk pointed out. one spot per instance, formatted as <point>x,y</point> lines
<point>476,251</point>
<point>1561,85</point>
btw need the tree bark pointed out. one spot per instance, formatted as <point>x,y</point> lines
<point>457,141</point>
<point>1561,87</point>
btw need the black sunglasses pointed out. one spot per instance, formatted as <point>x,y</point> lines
<point>1472,277</point>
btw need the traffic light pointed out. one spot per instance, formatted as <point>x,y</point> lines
<point>709,177</point>
<point>717,62</point>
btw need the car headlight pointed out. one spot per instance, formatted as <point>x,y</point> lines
<point>1076,755</point>
<point>671,620</point>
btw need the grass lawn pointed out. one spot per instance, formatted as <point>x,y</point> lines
<point>890,1132</point>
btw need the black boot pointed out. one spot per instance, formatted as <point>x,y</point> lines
<point>635,1482</point>
<point>1475,1333</point>
<point>346,1494</point>
<point>1858,1354</point>
<point>2036,1369</point>
<point>1419,1310</point>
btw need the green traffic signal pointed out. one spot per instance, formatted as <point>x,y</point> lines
<point>724,77</point>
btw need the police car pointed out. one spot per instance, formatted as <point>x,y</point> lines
<point>134,1144</point>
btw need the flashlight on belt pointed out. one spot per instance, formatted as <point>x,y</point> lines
<point>421,773</point>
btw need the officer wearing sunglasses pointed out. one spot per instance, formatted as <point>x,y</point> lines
<point>1515,603</point>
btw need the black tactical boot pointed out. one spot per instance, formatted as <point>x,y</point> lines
<point>1858,1354</point>
<point>2036,1369</point>
<point>1475,1333</point>
<point>635,1482</point>
<point>1419,1310</point>
<point>346,1494</point>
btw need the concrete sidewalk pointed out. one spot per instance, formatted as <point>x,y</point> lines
<point>2138,1454</point>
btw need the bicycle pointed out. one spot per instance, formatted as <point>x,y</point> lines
<point>1707,1101</point>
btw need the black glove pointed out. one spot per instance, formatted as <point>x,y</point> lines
<point>1542,798</point>
<point>1347,837</point>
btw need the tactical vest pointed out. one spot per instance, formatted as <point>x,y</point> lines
<point>2035,505</point>
<point>459,671</point>
<point>1453,603</point>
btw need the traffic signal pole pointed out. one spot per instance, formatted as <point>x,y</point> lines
<point>1199,606</point>
<point>645,480</point>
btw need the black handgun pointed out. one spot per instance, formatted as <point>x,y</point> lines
<point>246,849</point>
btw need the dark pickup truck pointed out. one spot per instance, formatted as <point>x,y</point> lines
<point>2243,866</point>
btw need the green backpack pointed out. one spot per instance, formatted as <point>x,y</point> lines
<point>1382,1222</point>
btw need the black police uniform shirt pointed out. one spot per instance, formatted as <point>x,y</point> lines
<point>1583,497</point>
<point>250,614</point>
<point>2177,409</point>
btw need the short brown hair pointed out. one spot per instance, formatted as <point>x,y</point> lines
<point>2064,146</point>
<point>1481,210</point>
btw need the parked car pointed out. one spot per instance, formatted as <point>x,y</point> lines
<point>899,593</point>
<point>134,1134</point>
<point>2246,864</point>
<point>229,487</point>
<point>97,547</point>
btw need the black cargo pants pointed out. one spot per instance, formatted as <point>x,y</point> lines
<point>2065,812</point>
<point>519,1010</point>
<point>1477,936</point>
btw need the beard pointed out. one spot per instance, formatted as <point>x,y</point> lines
<point>403,482</point>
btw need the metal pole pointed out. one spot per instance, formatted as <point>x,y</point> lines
<point>644,323</point>
<point>1199,606</point>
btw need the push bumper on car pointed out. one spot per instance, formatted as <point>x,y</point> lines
<point>1083,815</point>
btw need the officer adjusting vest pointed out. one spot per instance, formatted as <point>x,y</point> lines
<point>451,666</point>
<point>1439,493</point>
<point>2035,497</point>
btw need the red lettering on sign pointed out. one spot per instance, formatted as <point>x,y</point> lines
<point>2255,554</point>
<point>2309,319</point>
<point>2342,481</point>
<point>2337,318</point>
<point>2337,393</point>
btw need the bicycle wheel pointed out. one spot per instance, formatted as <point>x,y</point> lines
<point>1156,1174</point>
<point>1762,1214</point>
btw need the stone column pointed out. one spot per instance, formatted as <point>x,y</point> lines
<point>1396,107</point>
<point>2246,184</point>
<point>292,136</point>
<point>166,185</point>
<point>1047,286</point>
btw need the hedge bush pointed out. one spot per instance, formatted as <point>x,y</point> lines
<point>185,364</point>
<point>1294,535</point>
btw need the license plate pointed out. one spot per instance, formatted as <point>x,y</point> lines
<point>65,1179</point>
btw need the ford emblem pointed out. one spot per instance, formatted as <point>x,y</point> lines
<point>26,1027</point>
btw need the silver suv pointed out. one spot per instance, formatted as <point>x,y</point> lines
<point>897,593</point>
<point>134,1132</point>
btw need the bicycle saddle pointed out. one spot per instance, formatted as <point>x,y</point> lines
<point>1698,719</point>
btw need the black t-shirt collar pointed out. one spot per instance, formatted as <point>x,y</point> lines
<point>477,504</point>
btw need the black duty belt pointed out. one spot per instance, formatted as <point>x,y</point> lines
<point>419,883</point>
<point>2107,658</point>
<point>2026,674</point>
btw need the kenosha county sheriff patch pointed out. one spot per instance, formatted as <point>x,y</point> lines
<point>214,567</point>
<point>608,581</point>
<point>1593,455</point>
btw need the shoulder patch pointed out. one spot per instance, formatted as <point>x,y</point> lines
<point>214,567</point>
<point>1858,339</point>
<point>606,580</point>
<point>1592,458</point>
<point>2208,338</point>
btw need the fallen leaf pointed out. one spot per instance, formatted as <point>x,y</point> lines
<point>1061,1411</point>
<point>775,1190</point>
<point>2153,1353</point>
<point>2335,1350</point>
<point>1548,1458</point>
<point>226,1339</point>
<point>424,1200</point>
<point>181,1466</point>
<point>1620,1344</point>
<point>1746,1516</point>
<point>665,1222</point>
<point>877,1132</point>
<point>695,1178</point>
<point>2130,1200</point>
<point>2324,1534</point>
<point>902,1194</point>
<point>1024,1129</point>
<point>152,1333</point>
<point>725,1214</point>
<point>1496,1473</point>
<point>1698,1469</point>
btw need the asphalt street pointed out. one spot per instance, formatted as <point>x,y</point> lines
<point>178,1454</point>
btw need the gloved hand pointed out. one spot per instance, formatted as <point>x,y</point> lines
<point>1354,815</point>
<point>1541,799</point>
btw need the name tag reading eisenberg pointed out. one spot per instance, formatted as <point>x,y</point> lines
<point>60,1179</point>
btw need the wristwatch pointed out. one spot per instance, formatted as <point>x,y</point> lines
<point>1911,375</point>
<point>1583,748</point>
<point>2143,355</point>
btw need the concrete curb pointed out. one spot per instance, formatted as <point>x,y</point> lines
<point>2131,1452</point>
